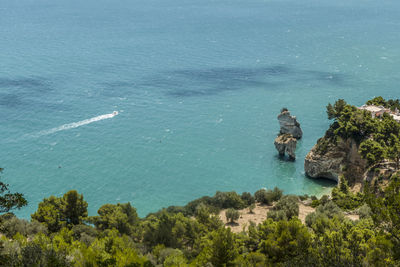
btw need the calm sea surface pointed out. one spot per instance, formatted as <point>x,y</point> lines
<point>198,86</point>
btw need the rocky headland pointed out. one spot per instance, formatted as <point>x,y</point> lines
<point>359,146</point>
<point>330,160</point>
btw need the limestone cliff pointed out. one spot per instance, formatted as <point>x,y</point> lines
<point>289,124</point>
<point>328,159</point>
<point>286,143</point>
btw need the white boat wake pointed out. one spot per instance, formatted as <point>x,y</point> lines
<point>77,124</point>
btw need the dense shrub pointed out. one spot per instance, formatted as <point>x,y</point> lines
<point>285,209</point>
<point>344,198</point>
<point>364,211</point>
<point>227,200</point>
<point>248,198</point>
<point>326,211</point>
<point>122,217</point>
<point>268,196</point>
<point>304,197</point>
<point>221,200</point>
<point>13,225</point>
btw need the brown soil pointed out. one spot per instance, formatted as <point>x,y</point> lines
<point>260,214</point>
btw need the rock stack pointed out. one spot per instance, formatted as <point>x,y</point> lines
<point>289,124</point>
<point>289,133</point>
<point>286,143</point>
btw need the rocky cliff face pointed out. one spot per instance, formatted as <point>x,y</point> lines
<point>289,124</point>
<point>286,143</point>
<point>329,160</point>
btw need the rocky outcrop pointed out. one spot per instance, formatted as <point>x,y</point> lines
<point>329,160</point>
<point>286,143</point>
<point>289,124</point>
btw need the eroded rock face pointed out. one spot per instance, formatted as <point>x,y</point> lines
<point>334,160</point>
<point>289,124</point>
<point>286,143</point>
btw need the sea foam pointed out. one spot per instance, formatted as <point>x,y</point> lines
<point>73,125</point>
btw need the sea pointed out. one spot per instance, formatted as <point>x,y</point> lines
<point>196,86</point>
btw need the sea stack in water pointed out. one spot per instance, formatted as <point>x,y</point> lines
<point>289,133</point>
<point>286,143</point>
<point>289,124</point>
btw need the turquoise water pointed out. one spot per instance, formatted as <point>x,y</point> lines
<point>198,86</point>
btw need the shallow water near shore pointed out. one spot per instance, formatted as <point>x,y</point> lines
<point>198,87</point>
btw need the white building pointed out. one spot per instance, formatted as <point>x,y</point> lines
<point>377,111</point>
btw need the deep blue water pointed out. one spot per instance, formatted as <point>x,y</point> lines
<point>198,86</point>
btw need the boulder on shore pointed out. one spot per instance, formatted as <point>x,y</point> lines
<point>286,143</point>
<point>289,124</point>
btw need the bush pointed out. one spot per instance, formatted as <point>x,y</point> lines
<point>268,196</point>
<point>191,207</point>
<point>252,207</point>
<point>324,199</point>
<point>277,215</point>
<point>346,199</point>
<point>286,208</point>
<point>232,215</point>
<point>364,211</point>
<point>276,194</point>
<point>261,197</point>
<point>323,145</point>
<point>247,198</point>
<point>326,211</point>
<point>13,225</point>
<point>168,253</point>
<point>304,197</point>
<point>84,233</point>
<point>315,203</point>
<point>330,209</point>
<point>227,200</point>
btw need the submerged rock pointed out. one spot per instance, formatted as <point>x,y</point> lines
<point>286,143</point>
<point>289,124</point>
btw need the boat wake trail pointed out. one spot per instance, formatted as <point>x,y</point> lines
<point>73,125</point>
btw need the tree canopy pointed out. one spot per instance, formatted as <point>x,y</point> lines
<point>8,200</point>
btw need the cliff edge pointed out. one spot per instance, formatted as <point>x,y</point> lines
<point>330,160</point>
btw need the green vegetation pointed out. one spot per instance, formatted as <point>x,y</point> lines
<point>57,213</point>
<point>267,197</point>
<point>61,233</point>
<point>8,200</point>
<point>286,208</point>
<point>344,198</point>
<point>221,200</point>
